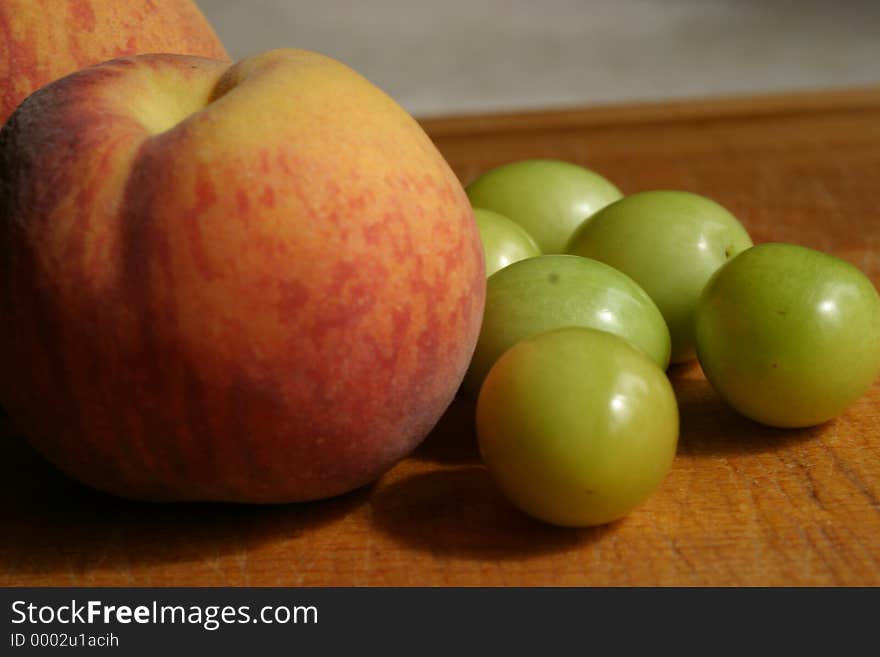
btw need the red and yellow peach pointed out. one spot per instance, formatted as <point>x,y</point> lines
<point>256,283</point>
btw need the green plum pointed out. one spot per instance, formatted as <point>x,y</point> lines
<point>548,198</point>
<point>576,426</point>
<point>670,243</point>
<point>551,291</point>
<point>789,336</point>
<point>504,242</point>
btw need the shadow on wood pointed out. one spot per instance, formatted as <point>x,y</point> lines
<point>54,526</point>
<point>710,427</point>
<point>459,511</point>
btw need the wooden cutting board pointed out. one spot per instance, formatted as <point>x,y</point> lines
<point>743,504</point>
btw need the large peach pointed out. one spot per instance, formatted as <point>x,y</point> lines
<point>258,283</point>
<point>43,40</point>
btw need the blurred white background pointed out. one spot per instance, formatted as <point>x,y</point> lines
<point>465,56</point>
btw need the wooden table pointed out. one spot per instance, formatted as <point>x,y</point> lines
<point>743,505</point>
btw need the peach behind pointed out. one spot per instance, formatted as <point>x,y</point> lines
<point>43,40</point>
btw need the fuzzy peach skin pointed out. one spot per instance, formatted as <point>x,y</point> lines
<point>256,283</point>
<point>43,40</point>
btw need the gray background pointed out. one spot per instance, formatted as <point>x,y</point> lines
<point>465,56</point>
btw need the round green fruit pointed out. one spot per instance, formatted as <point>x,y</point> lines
<point>504,242</point>
<point>548,198</point>
<point>552,291</point>
<point>576,426</point>
<point>670,243</point>
<point>789,336</point>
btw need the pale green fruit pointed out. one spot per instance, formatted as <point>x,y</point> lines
<point>789,336</point>
<point>576,426</point>
<point>552,291</point>
<point>548,198</point>
<point>504,242</point>
<point>670,243</point>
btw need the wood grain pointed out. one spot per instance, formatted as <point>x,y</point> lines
<point>743,504</point>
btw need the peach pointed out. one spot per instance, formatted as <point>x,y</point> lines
<point>253,283</point>
<point>43,40</point>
